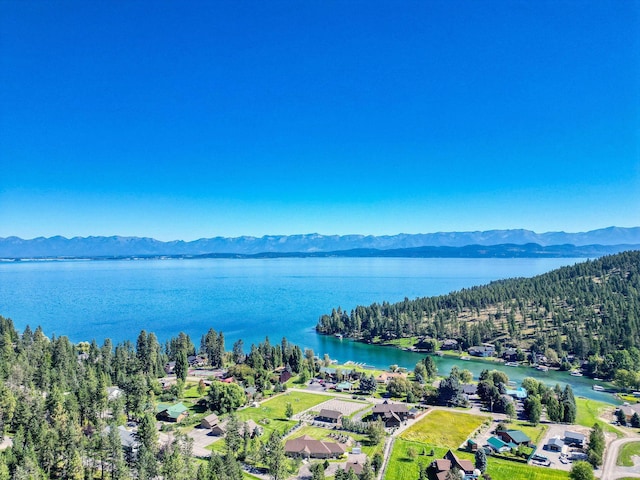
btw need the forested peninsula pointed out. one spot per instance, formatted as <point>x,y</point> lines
<point>589,311</point>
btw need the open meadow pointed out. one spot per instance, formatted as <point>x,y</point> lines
<point>444,428</point>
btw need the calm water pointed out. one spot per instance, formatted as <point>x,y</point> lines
<point>247,299</point>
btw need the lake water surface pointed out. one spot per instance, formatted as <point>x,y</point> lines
<point>244,298</point>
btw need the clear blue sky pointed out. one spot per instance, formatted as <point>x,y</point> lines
<point>181,120</point>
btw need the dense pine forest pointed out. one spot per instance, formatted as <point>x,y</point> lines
<point>56,404</point>
<point>589,311</point>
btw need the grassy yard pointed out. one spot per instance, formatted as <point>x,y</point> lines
<point>628,450</point>
<point>274,408</point>
<point>589,412</point>
<point>404,465</point>
<point>445,428</point>
<point>534,433</point>
<point>500,469</point>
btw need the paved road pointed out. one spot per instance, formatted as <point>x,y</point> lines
<point>611,471</point>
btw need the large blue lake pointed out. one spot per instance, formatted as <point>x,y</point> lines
<point>247,299</point>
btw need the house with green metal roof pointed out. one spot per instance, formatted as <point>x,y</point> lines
<point>499,446</point>
<point>516,436</point>
<point>171,413</point>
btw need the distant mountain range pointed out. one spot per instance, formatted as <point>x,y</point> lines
<point>503,243</point>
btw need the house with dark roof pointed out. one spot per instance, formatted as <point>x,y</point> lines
<point>356,466</point>
<point>555,444</point>
<point>329,416</point>
<point>197,360</point>
<point>392,414</point>
<point>307,447</point>
<point>285,376</point>
<point>128,441</point>
<point>449,344</point>
<point>449,462</point>
<point>514,436</point>
<point>574,438</point>
<point>171,413</point>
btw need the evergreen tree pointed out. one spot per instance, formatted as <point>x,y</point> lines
<point>595,450</point>
<point>481,460</point>
<point>182,366</point>
<point>274,458</point>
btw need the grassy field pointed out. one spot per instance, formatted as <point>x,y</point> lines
<point>444,428</point>
<point>628,450</point>
<point>403,465</point>
<point>274,408</point>
<point>589,412</point>
<point>500,469</point>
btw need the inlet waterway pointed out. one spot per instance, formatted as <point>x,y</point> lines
<point>249,299</point>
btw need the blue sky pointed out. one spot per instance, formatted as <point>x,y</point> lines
<point>181,120</point>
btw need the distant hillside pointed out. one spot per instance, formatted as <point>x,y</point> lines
<point>116,246</point>
<point>590,310</point>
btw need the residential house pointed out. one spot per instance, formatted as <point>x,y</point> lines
<point>500,446</point>
<point>344,386</point>
<point>469,389</point>
<point>285,376</point>
<point>392,414</point>
<point>482,351</point>
<point>170,367</point>
<point>515,436</point>
<point>113,393</point>
<point>450,461</point>
<point>629,410</point>
<point>449,344</point>
<point>128,441</point>
<point>171,413</point>
<point>197,360</point>
<point>329,416</point>
<point>210,421</point>
<point>384,377</point>
<point>356,466</point>
<point>574,438</point>
<point>307,447</point>
<point>556,444</point>
<point>510,355</point>
<point>251,428</point>
<point>517,394</point>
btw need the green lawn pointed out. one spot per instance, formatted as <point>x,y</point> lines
<point>628,450</point>
<point>500,469</point>
<point>589,412</point>
<point>444,428</point>
<point>402,465</point>
<point>275,407</point>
